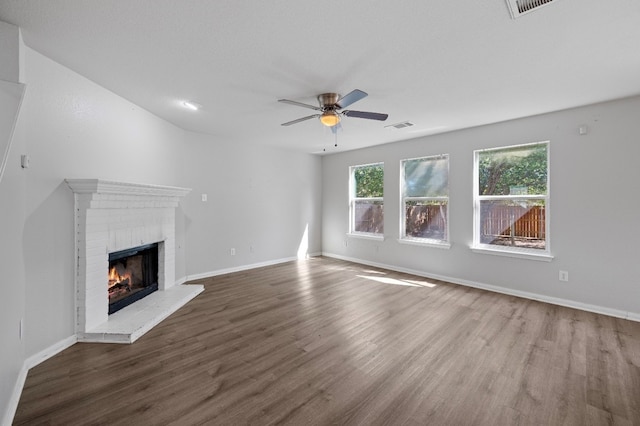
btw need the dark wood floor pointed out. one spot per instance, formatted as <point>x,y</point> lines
<point>330,342</point>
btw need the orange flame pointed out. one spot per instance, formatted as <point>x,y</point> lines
<point>115,277</point>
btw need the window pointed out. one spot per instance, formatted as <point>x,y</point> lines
<point>511,199</point>
<point>366,203</point>
<point>425,200</point>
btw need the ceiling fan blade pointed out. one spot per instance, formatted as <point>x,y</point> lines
<point>351,97</point>
<point>309,117</point>
<point>367,115</point>
<point>287,101</point>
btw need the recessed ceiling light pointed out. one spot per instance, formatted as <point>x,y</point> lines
<point>194,106</point>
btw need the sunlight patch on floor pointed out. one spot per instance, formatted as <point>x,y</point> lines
<point>394,281</point>
<point>370,271</point>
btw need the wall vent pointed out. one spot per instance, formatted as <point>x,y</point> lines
<point>521,7</point>
<point>400,125</point>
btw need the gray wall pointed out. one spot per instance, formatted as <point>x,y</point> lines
<point>12,202</point>
<point>594,208</point>
<point>73,128</point>
<point>9,52</point>
<point>260,204</point>
<point>76,129</point>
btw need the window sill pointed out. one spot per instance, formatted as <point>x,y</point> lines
<point>541,257</point>
<point>363,236</point>
<point>425,243</point>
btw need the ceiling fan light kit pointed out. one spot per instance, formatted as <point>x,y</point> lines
<point>330,106</point>
<point>329,118</point>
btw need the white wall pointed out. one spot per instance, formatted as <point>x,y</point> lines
<point>12,272</point>
<point>12,202</point>
<point>594,208</point>
<point>259,204</point>
<point>73,128</point>
<point>9,52</point>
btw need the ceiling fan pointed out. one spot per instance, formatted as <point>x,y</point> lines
<point>332,106</point>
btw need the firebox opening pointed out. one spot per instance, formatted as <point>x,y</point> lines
<point>132,275</point>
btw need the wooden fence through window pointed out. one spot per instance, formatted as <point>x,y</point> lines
<point>528,222</point>
<point>496,220</point>
<point>425,220</point>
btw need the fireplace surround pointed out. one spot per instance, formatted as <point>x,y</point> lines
<point>112,217</point>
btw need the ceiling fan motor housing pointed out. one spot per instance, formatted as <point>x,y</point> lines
<point>328,100</point>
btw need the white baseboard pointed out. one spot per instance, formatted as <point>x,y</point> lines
<point>239,268</point>
<point>12,406</point>
<point>496,289</point>
<point>52,350</point>
<point>634,317</point>
<point>29,363</point>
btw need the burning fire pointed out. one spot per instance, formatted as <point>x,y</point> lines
<point>119,282</point>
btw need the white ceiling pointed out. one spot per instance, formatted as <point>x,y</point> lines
<point>443,65</point>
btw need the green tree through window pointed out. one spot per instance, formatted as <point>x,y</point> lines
<point>369,181</point>
<point>366,202</point>
<point>501,171</point>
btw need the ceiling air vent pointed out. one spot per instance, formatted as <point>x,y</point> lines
<point>520,7</point>
<point>400,125</point>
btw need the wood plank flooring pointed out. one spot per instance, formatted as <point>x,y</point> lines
<point>324,342</point>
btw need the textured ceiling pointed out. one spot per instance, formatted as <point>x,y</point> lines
<point>441,65</point>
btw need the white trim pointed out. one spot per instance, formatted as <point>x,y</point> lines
<point>239,268</point>
<point>403,205</point>
<point>12,405</point>
<point>425,242</point>
<point>617,313</point>
<point>633,316</point>
<point>477,200</point>
<point>353,199</point>
<point>366,236</point>
<point>28,364</point>
<point>49,352</point>
<point>542,256</point>
<point>103,186</point>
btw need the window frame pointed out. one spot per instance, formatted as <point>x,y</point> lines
<point>519,252</point>
<point>353,200</point>
<point>432,242</point>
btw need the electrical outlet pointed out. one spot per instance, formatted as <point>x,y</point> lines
<point>204,197</point>
<point>564,276</point>
<point>232,252</point>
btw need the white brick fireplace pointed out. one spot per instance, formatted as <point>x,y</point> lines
<point>113,216</point>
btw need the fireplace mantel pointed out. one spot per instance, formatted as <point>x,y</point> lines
<point>102,186</point>
<point>112,216</point>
